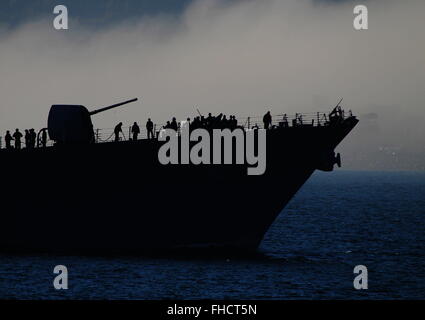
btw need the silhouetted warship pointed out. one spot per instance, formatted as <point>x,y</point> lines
<point>115,197</point>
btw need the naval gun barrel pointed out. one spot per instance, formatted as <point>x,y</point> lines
<point>111,107</point>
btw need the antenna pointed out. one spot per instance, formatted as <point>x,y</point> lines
<point>339,102</point>
<point>199,112</point>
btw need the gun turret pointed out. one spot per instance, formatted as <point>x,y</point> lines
<point>71,124</point>
<point>112,107</point>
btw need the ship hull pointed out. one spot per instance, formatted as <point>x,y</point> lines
<point>117,198</point>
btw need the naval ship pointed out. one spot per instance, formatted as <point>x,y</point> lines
<point>86,196</point>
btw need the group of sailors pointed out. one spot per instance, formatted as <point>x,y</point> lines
<point>210,122</point>
<point>200,122</point>
<point>135,130</point>
<point>30,139</point>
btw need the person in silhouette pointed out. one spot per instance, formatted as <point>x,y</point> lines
<point>8,139</point>
<point>209,120</point>
<point>203,122</point>
<point>17,136</point>
<point>188,124</point>
<point>149,128</point>
<point>195,123</point>
<point>231,123</point>
<point>267,120</point>
<point>27,139</point>
<point>44,138</point>
<point>174,125</point>
<point>217,124</point>
<point>33,137</point>
<point>117,131</point>
<point>224,123</point>
<point>285,121</point>
<point>135,130</point>
<point>234,122</point>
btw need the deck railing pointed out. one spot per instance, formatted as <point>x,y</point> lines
<point>315,119</point>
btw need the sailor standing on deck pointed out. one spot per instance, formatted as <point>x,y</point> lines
<point>33,137</point>
<point>135,130</point>
<point>117,131</point>
<point>27,139</point>
<point>149,128</point>
<point>44,138</point>
<point>8,139</point>
<point>174,125</point>
<point>267,119</point>
<point>17,136</point>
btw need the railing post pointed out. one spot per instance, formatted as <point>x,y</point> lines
<point>249,123</point>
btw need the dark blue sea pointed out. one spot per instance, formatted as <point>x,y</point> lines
<point>338,220</point>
